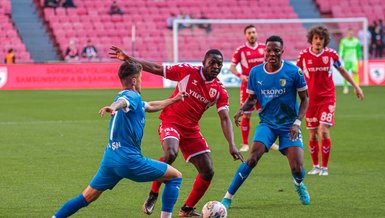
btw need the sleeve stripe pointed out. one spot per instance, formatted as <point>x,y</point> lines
<point>164,71</point>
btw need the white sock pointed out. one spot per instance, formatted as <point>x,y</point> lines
<point>164,214</point>
<point>228,195</point>
<point>316,166</point>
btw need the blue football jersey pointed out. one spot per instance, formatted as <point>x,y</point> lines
<point>126,126</point>
<point>277,93</point>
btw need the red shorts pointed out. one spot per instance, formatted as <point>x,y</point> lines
<point>243,97</point>
<point>191,142</point>
<point>321,113</point>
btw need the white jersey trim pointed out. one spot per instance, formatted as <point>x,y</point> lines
<point>280,68</point>
<point>317,55</point>
<point>164,70</point>
<point>125,109</point>
<point>302,89</point>
<point>196,154</point>
<point>250,91</point>
<point>223,108</point>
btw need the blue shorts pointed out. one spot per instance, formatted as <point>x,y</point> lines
<point>135,167</point>
<point>268,135</point>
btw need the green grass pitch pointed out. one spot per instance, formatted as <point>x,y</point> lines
<point>51,143</point>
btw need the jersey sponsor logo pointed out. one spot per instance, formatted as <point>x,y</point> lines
<point>271,93</point>
<point>255,60</point>
<point>316,69</point>
<point>3,76</point>
<point>282,82</point>
<point>212,92</point>
<point>198,96</point>
<point>325,59</point>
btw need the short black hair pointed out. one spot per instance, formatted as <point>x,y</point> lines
<point>213,52</point>
<point>248,27</point>
<point>274,38</point>
<point>129,69</point>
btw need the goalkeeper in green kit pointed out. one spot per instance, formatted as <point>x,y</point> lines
<point>350,53</point>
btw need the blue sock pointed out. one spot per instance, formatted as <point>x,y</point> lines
<point>299,179</point>
<point>170,194</point>
<point>71,206</point>
<point>239,177</point>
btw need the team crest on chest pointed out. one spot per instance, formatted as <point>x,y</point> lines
<point>282,82</point>
<point>212,92</point>
<point>325,59</point>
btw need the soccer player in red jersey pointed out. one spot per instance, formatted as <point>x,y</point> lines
<point>248,55</point>
<point>180,129</point>
<point>316,63</point>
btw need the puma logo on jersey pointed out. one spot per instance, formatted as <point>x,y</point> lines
<point>259,82</point>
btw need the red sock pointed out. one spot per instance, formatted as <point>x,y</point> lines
<point>199,189</point>
<point>155,184</point>
<point>245,129</point>
<point>314,149</point>
<point>326,147</point>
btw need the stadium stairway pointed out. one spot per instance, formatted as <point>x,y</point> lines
<point>32,31</point>
<point>308,9</point>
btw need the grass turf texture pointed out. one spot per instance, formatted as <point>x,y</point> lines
<point>51,143</point>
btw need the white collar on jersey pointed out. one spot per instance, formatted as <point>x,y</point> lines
<point>317,55</point>
<point>203,76</point>
<point>280,68</point>
<point>249,46</point>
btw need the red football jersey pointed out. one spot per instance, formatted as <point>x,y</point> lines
<point>203,94</point>
<point>249,56</point>
<point>318,74</point>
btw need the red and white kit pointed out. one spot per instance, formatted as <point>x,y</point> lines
<point>322,92</point>
<point>181,120</point>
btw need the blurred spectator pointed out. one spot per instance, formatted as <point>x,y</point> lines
<point>372,31</point>
<point>89,51</point>
<point>184,16</point>
<point>362,34</point>
<point>51,3</point>
<point>67,3</point>
<point>205,26</point>
<point>115,9</point>
<point>10,57</point>
<point>378,36</point>
<point>170,20</point>
<point>72,53</point>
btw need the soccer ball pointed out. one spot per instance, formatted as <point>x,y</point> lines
<point>214,209</point>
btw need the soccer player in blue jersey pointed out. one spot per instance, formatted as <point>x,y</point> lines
<point>275,85</point>
<point>123,157</point>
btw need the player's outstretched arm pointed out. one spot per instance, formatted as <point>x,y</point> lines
<point>154,106</point>
<point>294,130</point>
<point>150,67</point>
<point>357,89</point>
<point>250,103</point>
<point>227,129</point>
<point>239,75</point>
<point>120,103</point>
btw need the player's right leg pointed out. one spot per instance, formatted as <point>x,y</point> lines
<point>169,136</point>
<point>103,180</point>
<point>312,123</point>
<point>263,136</point>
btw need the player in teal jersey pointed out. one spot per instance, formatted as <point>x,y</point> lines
<point>275,85</point>
<point>122,156</point>
<point>350,53</point>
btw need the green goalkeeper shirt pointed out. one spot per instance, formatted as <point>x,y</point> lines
<point>350,49</point>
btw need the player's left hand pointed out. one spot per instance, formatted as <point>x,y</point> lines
<point>236,154</point>
<point>118,54</point>
<point>294,133</point>
<point>107,109</point>
<point>359,93</point>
